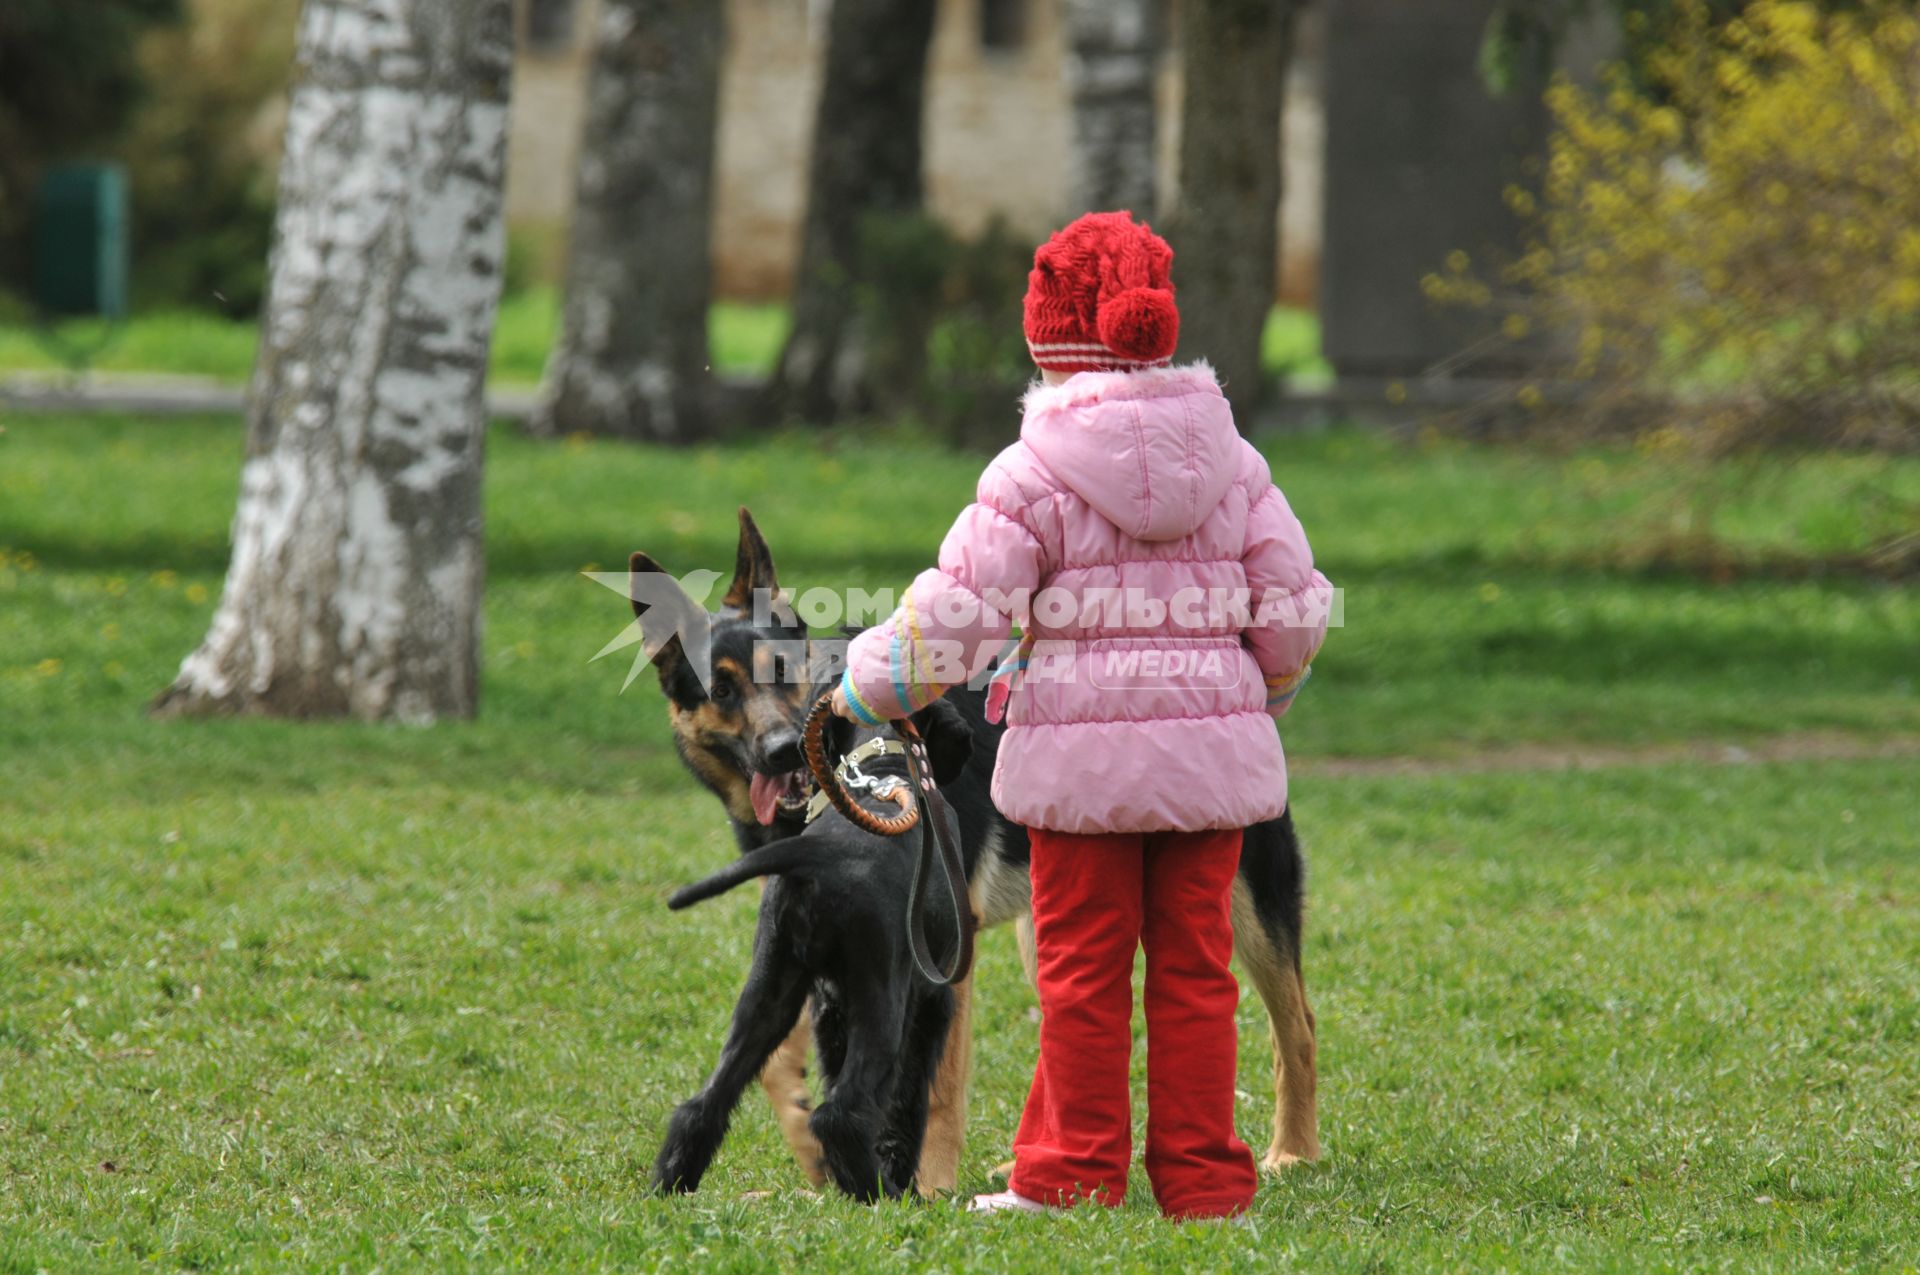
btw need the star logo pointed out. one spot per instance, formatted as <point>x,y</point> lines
<point>672,610</point>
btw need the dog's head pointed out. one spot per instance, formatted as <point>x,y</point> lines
<point>739,731</point>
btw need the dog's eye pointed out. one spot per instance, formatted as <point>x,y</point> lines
<point>723,693</point>
<point>780,670</point>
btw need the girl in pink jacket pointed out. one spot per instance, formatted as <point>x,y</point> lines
<point>1169,607</point>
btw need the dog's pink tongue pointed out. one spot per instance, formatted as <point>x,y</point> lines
<point>765,791</point>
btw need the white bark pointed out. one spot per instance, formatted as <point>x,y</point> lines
<point>354,587</point>
<point>1112,50</point>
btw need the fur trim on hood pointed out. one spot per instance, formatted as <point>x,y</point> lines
<point>1091,387</point>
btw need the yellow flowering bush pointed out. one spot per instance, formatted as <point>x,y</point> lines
<point>1734,231</point>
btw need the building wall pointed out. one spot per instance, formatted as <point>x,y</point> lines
<point>996,134</point>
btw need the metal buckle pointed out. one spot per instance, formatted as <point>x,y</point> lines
<point>879,787</point>
<point>853,779</point>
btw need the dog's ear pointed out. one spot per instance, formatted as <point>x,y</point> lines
<point>669,619</point>
<point>949,739</point>
<point>752,567</point>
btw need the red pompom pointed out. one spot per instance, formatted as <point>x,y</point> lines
<point>1140,323</point>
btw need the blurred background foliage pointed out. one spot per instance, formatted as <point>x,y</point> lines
<point>1724,246</point>
<point>201,153</point>
<point>1523,31</point>
<point>1742,238</point>
<point>70,79</point>
<point>189,95</point>
<point>936,307</point>
<point>1720,251</point>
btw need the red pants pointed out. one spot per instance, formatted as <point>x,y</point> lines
<point>1095,898</point>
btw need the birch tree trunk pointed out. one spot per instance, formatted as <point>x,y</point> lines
<point>354,588</point>
<point>866,162</point>
<point>631,360</point>
<point>1225,222</point>
<point>1111,55</point>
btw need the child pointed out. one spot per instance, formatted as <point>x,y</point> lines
<point>1170,607</point>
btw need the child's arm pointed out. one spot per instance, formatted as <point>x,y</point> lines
<point>953,620</point>
<point>1289,602</point>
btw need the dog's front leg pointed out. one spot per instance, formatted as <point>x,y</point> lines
<point>776,990</point>
<point>947,1109</point>
<point>785,1080</point>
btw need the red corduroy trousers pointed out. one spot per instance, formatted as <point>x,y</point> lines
<point>1095,899</point>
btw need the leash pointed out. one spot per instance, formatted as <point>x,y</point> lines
<point>921,805</point>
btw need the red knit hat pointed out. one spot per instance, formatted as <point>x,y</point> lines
<point>1099,298</point>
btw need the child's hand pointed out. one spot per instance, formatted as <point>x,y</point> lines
<point>839,704</point>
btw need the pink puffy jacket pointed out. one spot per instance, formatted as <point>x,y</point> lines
<point>1169,603</point>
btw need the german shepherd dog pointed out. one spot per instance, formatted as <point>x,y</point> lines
<point>740,736</point>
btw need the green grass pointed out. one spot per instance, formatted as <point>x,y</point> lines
<point>746,338</point>
<point>333,995</point>
<point>1290,344</point>
<point>178,342</point>
<point>1482,603</point>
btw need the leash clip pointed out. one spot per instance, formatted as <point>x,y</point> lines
<point>879,787</point>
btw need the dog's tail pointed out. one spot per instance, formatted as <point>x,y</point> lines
<point>781,856</point>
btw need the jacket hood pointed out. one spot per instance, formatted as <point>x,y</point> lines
<point>1152,451</point>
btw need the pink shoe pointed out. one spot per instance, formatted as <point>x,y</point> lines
<point>1008,1202</point>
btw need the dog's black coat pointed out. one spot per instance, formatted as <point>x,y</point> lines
<point>832,932</point>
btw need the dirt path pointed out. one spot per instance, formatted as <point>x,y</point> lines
<point>1797,746</point>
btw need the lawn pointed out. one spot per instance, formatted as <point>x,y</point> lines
<point>278,996</point>
<point>746,339</point>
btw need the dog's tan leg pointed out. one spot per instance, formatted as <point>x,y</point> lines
<point>1276,975</point>
<point>1296,1113</point>
<point>785,1080</point>
<point>947,1110</point>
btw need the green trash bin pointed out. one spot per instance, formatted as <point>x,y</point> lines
<point>80,255</point>
<point>80,241</point>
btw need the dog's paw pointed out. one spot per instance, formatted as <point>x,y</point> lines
<point>1002,1172</point>
<point>671,1186</point>
<point>673,1175</point>
<point>1277,1161</point>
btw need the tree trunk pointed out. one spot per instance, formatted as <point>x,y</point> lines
<point>865,162</point>
<point>1225,224</point>
<point>631,360</point>
<point>1111,52</point>
<point>354,588</point>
